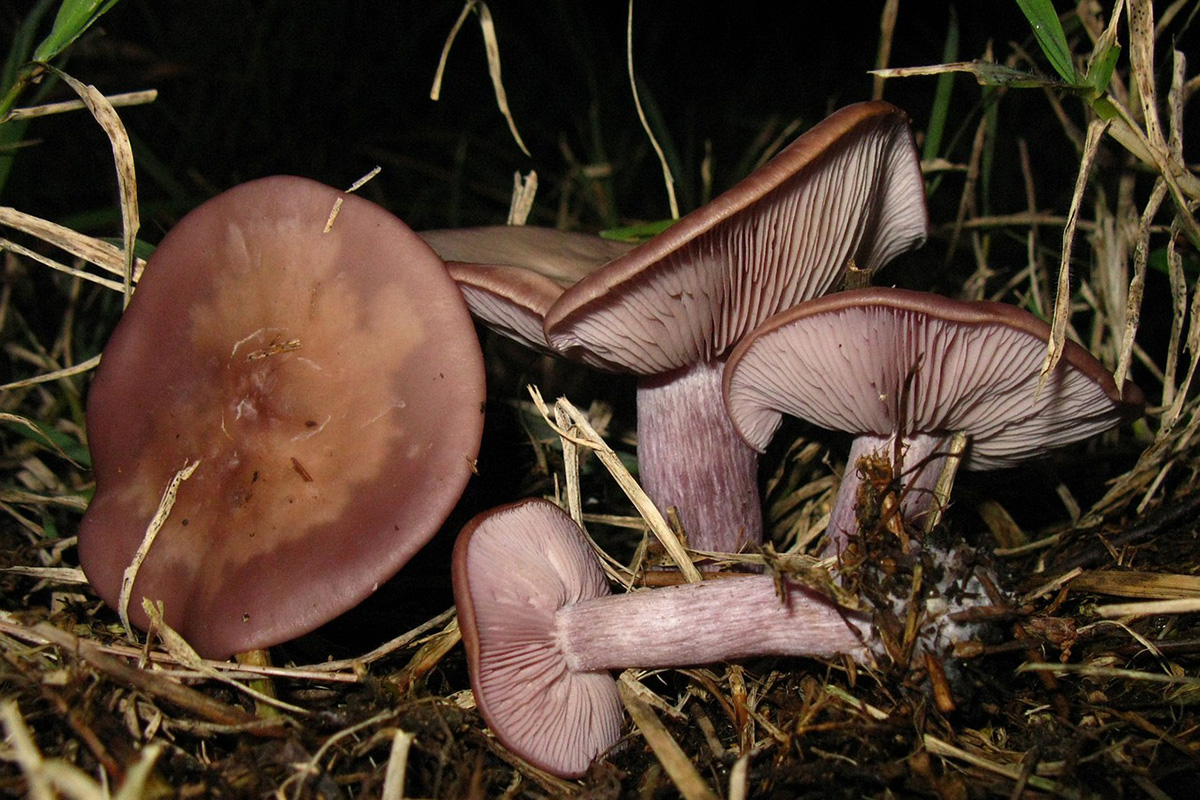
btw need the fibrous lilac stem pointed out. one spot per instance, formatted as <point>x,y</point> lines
<point>700,623</point>
<point>690,457</point>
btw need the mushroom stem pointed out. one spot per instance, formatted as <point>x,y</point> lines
<point>700,623</point>
<point>541,630</point>
<point>913,477</point>
<point>690,457</point>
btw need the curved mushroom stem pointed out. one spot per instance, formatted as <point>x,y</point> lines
<point>690,457</point>
<point>922,458</point>
<point>700,623</point>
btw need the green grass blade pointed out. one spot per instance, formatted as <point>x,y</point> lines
<point>49,437</point>
<point>74,17</point>
<point>1050,37</point>
<point>1102,67</point>
<point>638,233</point>
<point>941,97</point>
<point>14,79</point>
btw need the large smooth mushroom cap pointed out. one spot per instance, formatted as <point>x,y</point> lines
<point>330,386</point>
<point>510,580</point>
<point>897,362</point>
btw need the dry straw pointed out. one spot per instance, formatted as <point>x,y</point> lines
<point>580,433</point>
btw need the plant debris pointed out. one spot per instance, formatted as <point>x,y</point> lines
<point>1081,678</point>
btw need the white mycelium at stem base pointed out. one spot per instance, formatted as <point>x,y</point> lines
<point>541,631</point>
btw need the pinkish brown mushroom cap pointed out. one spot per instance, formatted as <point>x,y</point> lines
<point>510,580</point>
<point>330,386</point>
<point>510,275</point>
<point>891,361</point>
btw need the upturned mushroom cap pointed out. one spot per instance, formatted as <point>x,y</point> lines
<point>847,191</point>
<point>892,361</point>
<point>510,275</point>
<point>513,570</point>
<point>330,386</point>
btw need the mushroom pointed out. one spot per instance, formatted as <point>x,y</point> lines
<point>904,371</point>
<point>327,387</point>
<point>848,193</point>
<point>510,275</point>
<point>542,631</point>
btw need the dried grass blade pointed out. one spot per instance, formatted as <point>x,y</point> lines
<point>1141,60</point>
<point>1062,299</point>
<point>94,251</point>
<point>115,100</point>
<point>1012,772</point>
<point>668,179</point>
<point>65,372</point>
<point>399,643</point>
<point>435,91</point>
<point>1186,605</point>
<point>13,247</point>
<point>156,522</point>
<point>428,656</point>
<point>1137,284</point>
<point>25,751</point>
<point>524,191</point>
<point>1179,315</point>
<point>739,778</point>
<point>570,464</point>
<point>182,652</point>
<point>361,182</point>
<point>1110,672</point>
<point>1171,416</point>
<point>492,49</point>
<point>588,437</point>
<point>138,775</point>
<point>310,768</point>
<point>945,482</point>
<point>154,684</point>
<point>887,32</point>
<point>1162,586</point>
<point>110,121</point>
<point>678,765</point>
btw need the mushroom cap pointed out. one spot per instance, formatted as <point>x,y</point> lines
<point>330,386</point>
<point>562,256</point>
<point>848,190</point>
<point>891,361</point>
<point>514,568</point>
<point>510,275</point>
<point>510,300</point>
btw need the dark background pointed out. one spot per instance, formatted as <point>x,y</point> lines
<point>330,89</point>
